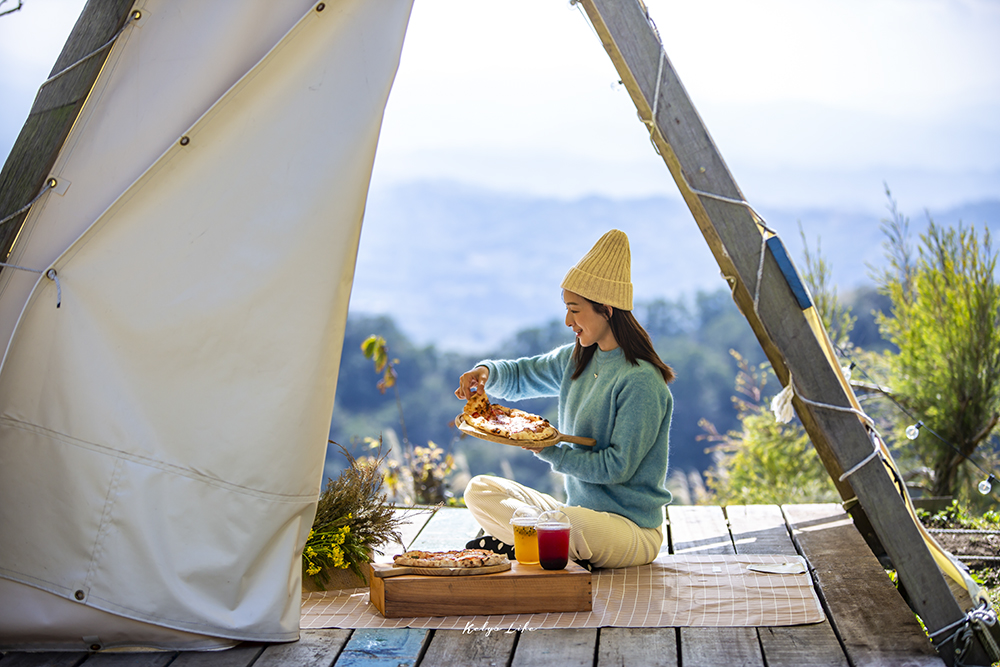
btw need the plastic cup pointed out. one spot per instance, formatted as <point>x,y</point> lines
<point>553,540</point>
<point>525,535</point>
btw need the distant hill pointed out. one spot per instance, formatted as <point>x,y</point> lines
<point>464,269</point>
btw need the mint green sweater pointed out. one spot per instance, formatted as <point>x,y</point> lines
<point>626,408</point>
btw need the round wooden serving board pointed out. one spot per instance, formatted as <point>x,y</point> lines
<point>383,570</point>
<point>558,437</point>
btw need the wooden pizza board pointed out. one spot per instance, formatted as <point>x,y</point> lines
<point>383,570</point>
<point>558,437</point>
<point>523,589</point>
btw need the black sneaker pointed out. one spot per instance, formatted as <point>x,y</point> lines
<point>491,543</point>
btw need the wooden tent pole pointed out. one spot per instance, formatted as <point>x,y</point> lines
<point>778,320</point>
<point>56,108</point>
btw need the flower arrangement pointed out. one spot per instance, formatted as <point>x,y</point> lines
<point>352,519</point>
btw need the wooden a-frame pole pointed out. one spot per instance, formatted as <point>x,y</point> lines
<point>778,320</point>
<point>56,107</point>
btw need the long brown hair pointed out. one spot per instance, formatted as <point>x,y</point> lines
<point>631,338</point>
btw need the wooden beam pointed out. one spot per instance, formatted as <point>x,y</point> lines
<point>871,618</point>
<point>777,319</point>
<point>56,108</point>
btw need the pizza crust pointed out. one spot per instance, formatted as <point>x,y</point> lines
<point>463,558</point>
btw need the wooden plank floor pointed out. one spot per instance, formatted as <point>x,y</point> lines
<point>868,622</point>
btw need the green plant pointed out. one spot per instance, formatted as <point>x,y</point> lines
<point>421,478</point>
<point>766,462</point>
<point>957,515</point>
<point>353,518</point>
<point>945,321</point>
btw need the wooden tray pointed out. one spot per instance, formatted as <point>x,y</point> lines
<point>523,589</point>
<point>558,437</point>
<point>383,570</point>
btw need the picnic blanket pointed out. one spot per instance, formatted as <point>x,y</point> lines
<point>672,591</point>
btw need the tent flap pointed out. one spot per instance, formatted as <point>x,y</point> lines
<point>162,432</point>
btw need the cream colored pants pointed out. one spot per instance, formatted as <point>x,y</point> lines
<point>603,538</point>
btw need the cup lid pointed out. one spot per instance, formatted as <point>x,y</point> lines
<point>554,516</point>
<point>525,514</point>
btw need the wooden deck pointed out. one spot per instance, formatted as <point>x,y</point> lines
<point>868,621</point>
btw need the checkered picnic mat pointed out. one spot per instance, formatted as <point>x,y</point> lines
<point>672,591</point>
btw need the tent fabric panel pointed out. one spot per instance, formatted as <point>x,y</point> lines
<point>214,588</point>
<point>198,341</point>
<point>45,622</point>
<point>162,558</point>
<point>31,459</point>
<point>155,85</point>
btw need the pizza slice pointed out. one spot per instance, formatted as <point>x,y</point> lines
<point>478,404</point>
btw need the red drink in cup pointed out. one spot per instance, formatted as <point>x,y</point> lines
<point>553,540</point>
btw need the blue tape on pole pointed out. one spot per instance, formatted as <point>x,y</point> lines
<point>788,271</point>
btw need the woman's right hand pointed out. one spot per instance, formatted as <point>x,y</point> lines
<point>474,379</point>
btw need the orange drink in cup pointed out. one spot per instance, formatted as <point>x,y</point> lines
<point>525,536</point>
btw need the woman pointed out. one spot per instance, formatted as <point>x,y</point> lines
<point>612,387</point>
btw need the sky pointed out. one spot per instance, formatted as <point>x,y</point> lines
<point>810,103</point>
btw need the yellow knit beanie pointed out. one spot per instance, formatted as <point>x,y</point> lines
<point>604,274</point>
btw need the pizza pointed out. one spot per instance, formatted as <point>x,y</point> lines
<point>460,558</point>
<point>505,422</point>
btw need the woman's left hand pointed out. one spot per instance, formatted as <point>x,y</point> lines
<point>535,448</point>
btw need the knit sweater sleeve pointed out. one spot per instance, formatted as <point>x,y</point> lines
<point>528,377</point>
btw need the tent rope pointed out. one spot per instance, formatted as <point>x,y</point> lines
<point>51,273</point>
<point>650,124</point>
<point>134,15</point>
<point>790,390</point>
<point>976,620</point>
<point>49,182</point>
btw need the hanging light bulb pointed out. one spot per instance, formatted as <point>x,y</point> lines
<point>985,487</point>
<point>913,430</point>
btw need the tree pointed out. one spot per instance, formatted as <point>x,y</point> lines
<point>945,321</point>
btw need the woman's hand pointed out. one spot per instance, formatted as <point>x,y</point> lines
<point>474,379</point>
<point>535,448</point>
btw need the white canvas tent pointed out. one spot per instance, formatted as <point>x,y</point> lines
<point>165,402</point>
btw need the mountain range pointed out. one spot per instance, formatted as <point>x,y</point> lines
<point>464,268</point>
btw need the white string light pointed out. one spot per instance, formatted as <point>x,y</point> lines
<point>985,486</point>
<point>913,430</point>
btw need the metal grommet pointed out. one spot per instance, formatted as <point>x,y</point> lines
<point>185,141</point>
<point>95,647</point>
<point>79,595</point>
<point>136,15</point>
<point>52,182</point>
<point>321,6</point>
